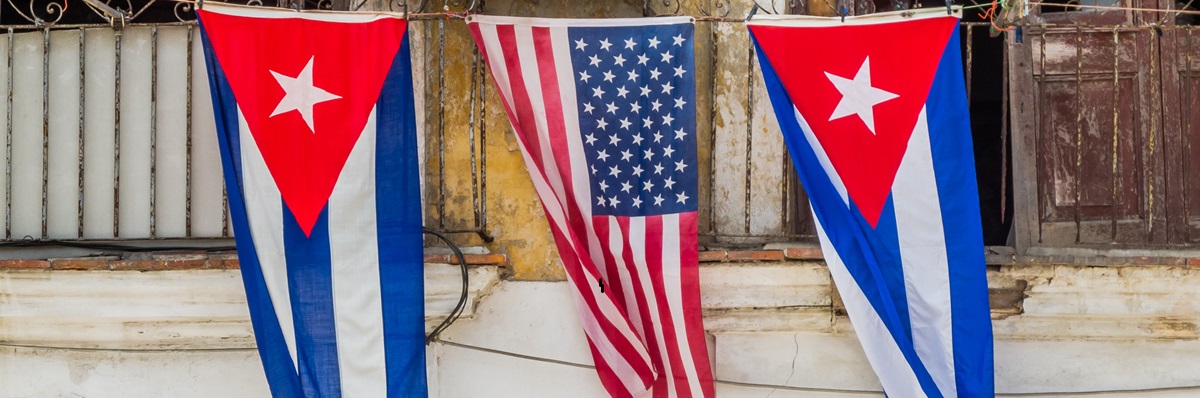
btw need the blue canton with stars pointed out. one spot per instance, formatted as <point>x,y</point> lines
<point>637,93</point>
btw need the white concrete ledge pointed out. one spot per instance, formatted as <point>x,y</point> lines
<point>194,309</point>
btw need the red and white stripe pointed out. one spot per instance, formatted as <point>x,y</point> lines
<point>645,327</point>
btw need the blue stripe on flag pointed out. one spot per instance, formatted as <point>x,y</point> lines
<point>830,210</point>
<point>398,209</point>
<point>954,167</point>
<point>311,287</point>
<point>885,245</point>
<point>272,349</point>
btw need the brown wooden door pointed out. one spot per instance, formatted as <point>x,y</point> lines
<point>1112,148</point>
<point>1181,122</point>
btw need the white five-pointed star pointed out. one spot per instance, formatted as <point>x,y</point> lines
<point>605,44</point>
<point>300,94</point>
<point>654,42</point>
<point>678,40</point>
<point>666,56</point>
<point>858,96</point>
<point>629,43</point>
<point>579,44</point>
<point>584,76</point>
<point>614,171</point>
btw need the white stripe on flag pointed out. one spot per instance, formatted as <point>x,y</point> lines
<point>672,278</point>
<point>264,211</point>
<point>354,257</point>
<point>923,255</point>
<point>884,355</point>
<point>822,157</point>
<point>637,246</point>
<point>616,243</point>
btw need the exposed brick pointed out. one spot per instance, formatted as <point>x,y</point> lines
<point>760,255</point>
<point>201,263</point>
<point>24,264</point>
<point>1193,262</point>
<point>83,263</point>
<point>1174,261</point>
<point>1146,261</point>
<point>222,256</point>
<point>137,265</point>
<point>487,259</point>
<point>712,256</point>
<point>803,253</point>
<point>231,264</point>
<point>472,259</point>
<point>180,256</point>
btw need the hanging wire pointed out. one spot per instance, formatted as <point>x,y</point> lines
<point>462,298</point>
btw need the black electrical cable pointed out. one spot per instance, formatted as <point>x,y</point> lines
<point>462,298</point>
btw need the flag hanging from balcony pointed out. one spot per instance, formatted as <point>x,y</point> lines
<point>315,121</point>
<point>605,114</point>
<point>881,138</point>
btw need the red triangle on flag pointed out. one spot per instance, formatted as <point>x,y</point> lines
<point>860,92</point>
<point>306,88</point>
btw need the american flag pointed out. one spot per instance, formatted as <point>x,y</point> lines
<point>605,114</point>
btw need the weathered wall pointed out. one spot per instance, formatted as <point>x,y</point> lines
<point>750,161</point>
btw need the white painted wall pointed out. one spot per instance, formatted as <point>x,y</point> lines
<point>774,333</point>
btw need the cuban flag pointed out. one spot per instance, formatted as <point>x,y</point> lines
<point>881,138</point>
<point>314,116</point>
